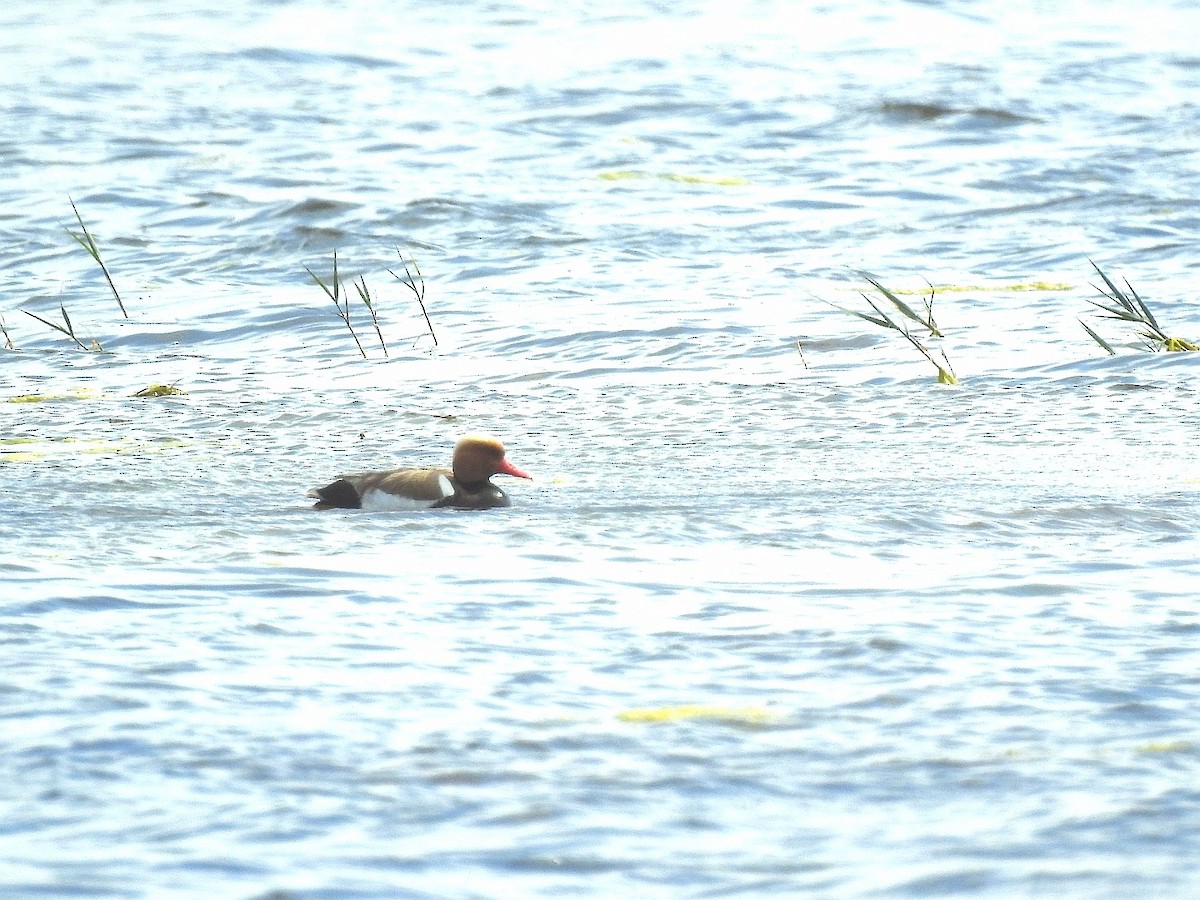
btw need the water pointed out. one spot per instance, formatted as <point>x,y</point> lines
<point>771,620</point>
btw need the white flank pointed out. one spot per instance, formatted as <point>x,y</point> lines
<point>380,501</point>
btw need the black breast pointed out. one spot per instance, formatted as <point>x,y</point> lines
<point>479,495</point>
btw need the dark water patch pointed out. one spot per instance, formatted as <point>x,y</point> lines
<point>89,885</point>
<point>964,880</point>
<point>816,203</point>
<point>1032,589</point>
<point>278,56</point>
<point>906,111</point>
<point>89,603</point>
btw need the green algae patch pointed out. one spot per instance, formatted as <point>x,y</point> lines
<point>19,456</point>
<point>740,715</point>
<point>1173,345</point>
<point>1166,747</point>
<point>33,449</point>
<point>990,288</point>
<point>946,377</point>
<point>96,447</point>
<point>76,394</point>
<point>714,180</point>
<point>161,390</point>
<point>622,176</point>
<point>719,181</point>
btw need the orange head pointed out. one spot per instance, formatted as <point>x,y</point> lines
<point>479,458</point>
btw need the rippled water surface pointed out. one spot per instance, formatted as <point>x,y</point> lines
<point>780,613</point>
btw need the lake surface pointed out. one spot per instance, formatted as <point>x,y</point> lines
<point>780,614</point>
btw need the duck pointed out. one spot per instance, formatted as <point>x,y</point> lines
<point>466,484</point>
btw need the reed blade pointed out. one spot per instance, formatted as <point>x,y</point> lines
<point>67,319</point>
<point>89,244</point>
<point>1099,340</point>
<point>1145,310</point>
<point>335,294</point>
<point>1121,313</point>
<point>882,323</point>
<point>888,321</point>
<point>419,293</point>
<point>364,294</point>
<point>1115,291</point>
<point>56,327</point>
<point>904,308</point>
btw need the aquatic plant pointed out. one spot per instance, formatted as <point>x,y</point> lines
<point>419,293</point>
<point>733,715</point>
<point>715,180</point>
<point>335,294</point>
<point>160,390</point>
<point>884,320</point>
<point>928,323</point>
<point>8,344</point>
<point>365,294</point>
<point>88,243</point>
<point>66,328</point>
<point>1131,308</point>
<point>415,283</point>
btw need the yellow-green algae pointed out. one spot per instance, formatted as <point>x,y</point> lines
<point>91,446</point>
<point>946,377</point>
<point>1177,344</point>
<point>154,390</point>
<point>717,180</point>
<point>993,288</point>
<point>1166,747</point>
<point>744,715</point>
<point>12,456</point>
<point>74,394</point>
<point>160,390</point>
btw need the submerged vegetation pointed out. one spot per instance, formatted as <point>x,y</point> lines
<point>1132,309</point>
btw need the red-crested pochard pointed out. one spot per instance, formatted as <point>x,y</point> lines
<point>466,485</point>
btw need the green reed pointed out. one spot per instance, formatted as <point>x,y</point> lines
<point>88,243</point>
<point>1127,306</point>
<point>365,295</point>
<point>418,292</point>
<point>884,320</point>
<point>335,294</point>
<point>66,328</point>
